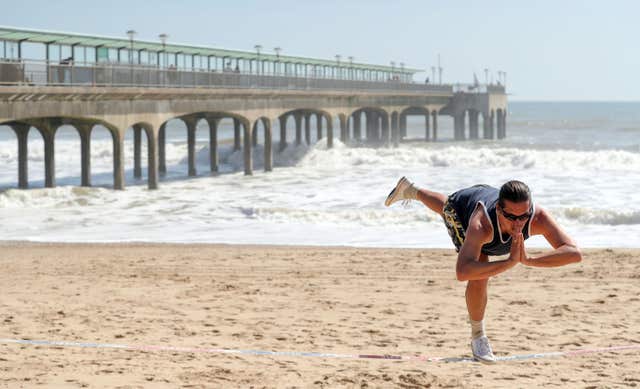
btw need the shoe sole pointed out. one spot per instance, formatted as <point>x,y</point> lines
<point>390,198</point>
<point>485,361</point>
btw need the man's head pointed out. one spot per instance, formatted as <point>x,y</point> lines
<point>514,205</point>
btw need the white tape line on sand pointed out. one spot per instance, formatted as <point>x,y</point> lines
<point>567,353</point>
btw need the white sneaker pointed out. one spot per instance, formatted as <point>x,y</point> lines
<point>398,193</point>
<point>482,350</point>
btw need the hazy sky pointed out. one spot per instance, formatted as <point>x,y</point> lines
<point>551,50</point>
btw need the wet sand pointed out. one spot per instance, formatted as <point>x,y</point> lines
<point>320,299</point>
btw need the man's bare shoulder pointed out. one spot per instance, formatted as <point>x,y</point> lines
<point>480,226</point>
<point>540,221</point>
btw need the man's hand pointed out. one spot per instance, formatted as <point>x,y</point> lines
<point>523,253</point>
<point>517,253</point>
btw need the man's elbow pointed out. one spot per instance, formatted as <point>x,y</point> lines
<point>577,254</point>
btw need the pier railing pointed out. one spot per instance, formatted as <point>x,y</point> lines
<point>43,73</point>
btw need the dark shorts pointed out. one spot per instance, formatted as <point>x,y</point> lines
<point>454,225</point>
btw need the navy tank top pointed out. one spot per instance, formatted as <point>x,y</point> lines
<point>464,202</point>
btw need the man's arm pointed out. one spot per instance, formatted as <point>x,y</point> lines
<point>478,233</point>
<point>564,252</point>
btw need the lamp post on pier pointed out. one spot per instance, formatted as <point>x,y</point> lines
<point>277,50</point>
<point>258,48</point>
<point>163,38</point>
<point>131,34</point>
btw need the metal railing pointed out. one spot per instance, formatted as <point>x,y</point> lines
<point>42,73</point>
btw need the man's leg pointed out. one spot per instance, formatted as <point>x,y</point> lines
<point>476,295</point>
<point>434,200</point>
<point>406,190</point>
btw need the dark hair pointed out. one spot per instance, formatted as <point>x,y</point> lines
<point>514,191</point>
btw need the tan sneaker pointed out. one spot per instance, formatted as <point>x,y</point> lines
<point>398,193</point>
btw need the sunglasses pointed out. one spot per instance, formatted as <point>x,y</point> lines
<point>513,217</point>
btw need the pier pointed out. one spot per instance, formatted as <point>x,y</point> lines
<point>121,84</point>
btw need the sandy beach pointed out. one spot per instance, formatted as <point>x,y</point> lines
<point>311,299</point>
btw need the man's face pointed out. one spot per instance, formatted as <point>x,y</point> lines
<point>513,216</point>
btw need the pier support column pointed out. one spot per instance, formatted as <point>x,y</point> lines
<point>85,152</point>
<point>22,132</point>
<point>427,137</point>
<point>369,127</point>
<point>488,125</point>
<point>357,126</point>
<point>254,135</point>
<point>298,120</point>
<point>118,158</point>
<point>236,134</point>
<point>152,159</point>
<point>307,128</point>
<point>191,145</point>
<point>458,126</point>
<point>473,124</point>
<point>329,132</point>
<point>283,132</point>
<point>268,152</point>
<point>502,124</point>
<point>162,159</point>
<point>385,130</point>
<point>344,128</point>
<point>248,162</point>
<point>395,130</point>
<point>49,134</point>
<point>403,126</point>
<point>319,125</point>
<point>137,141</point>
<point>213,143</point>
<point>434,116</point>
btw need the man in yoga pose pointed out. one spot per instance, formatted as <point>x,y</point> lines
<point>484,221</point>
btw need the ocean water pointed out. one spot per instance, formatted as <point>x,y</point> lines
<point>581,160</point>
